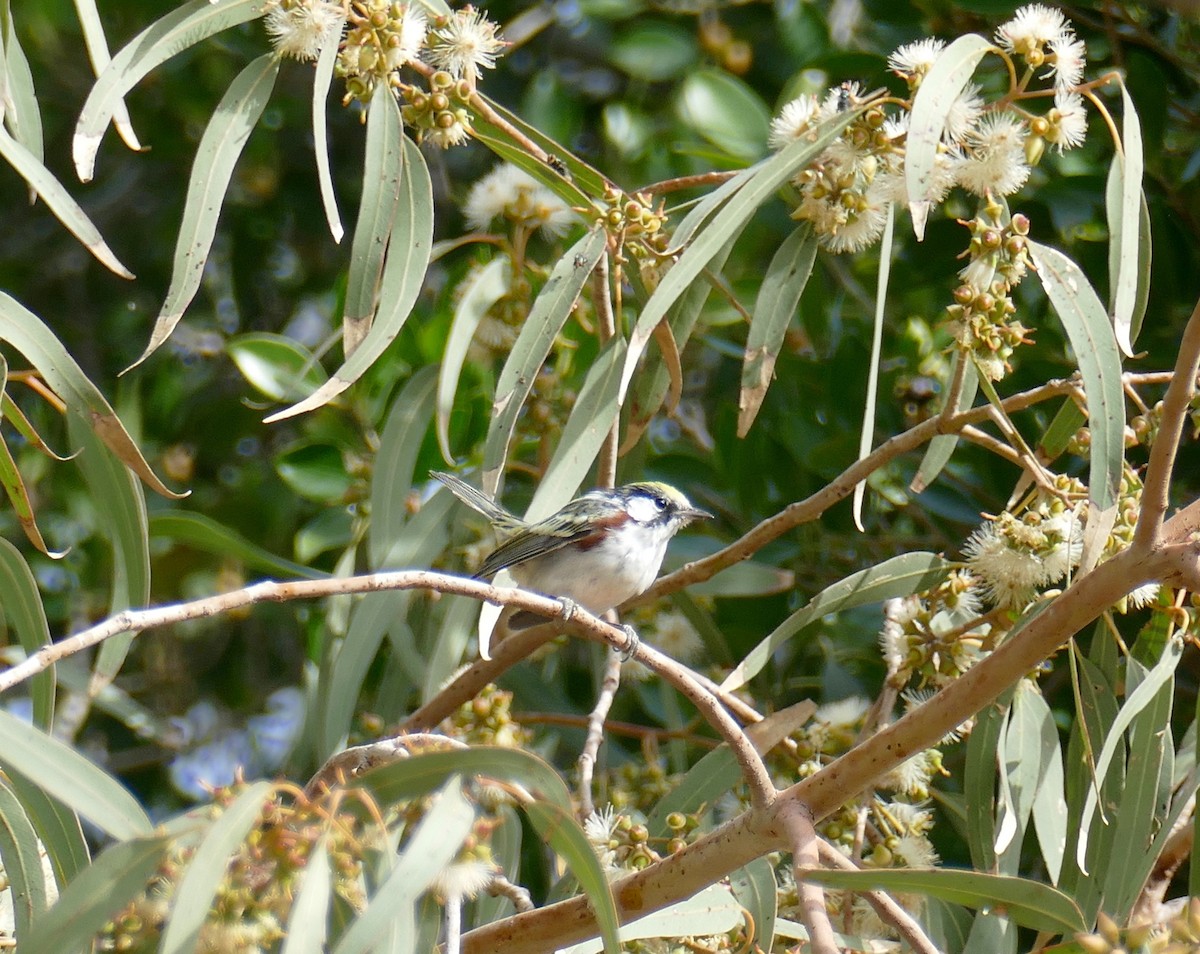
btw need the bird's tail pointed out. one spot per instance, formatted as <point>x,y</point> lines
<point>477,500</point>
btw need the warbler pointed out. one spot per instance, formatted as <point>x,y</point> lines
<point>597,551</point>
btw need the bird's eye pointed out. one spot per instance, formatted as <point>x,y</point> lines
<point>660,501</point>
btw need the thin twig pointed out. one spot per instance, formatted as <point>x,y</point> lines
<point>801,836</point>
<point>595,730</point>
<point>1155,489</point>
<point>606,329</point>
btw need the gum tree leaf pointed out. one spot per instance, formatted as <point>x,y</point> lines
<point>204,533</point>
<point>277,366</point>
<point>322,80</point>
<point>403,276</point>
<point>183,27</point>
<point>97,47</point>
<point>1128,262</point>
<point>383,167</point>
<point>19,99</point>
<point>940,449</point>
<point>28,334</point>
<point>220,148</point>
<point>946,79</point>
<point>22,862</point>
<point>1095,346</point>
<point>774,310</point>
<point>308,922</point>
<point>477,294</point>
<point>549,313</point>
<point>18,496</point>
<point>899,576</point>
<point>24,613</point>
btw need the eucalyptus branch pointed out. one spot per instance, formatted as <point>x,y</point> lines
<point>606,329</point>
<point>802,837</point>
<point>1179,395</point>
<point>595,730</point>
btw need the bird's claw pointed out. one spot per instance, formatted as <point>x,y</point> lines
<point>631,648</point>
<point>569,607</point>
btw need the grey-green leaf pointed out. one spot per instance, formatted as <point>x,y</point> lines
<point>1129,231</point>
<point>774,309</point>
<point>22,861</point>
<point>1091,335</point>
<point>97,47</point>
<point>403,276</point>
<point>220,147</point>
<point>547,316</point>
<point>899,576</point>
<point>322,80</point>
<point>183,27</point>
<point>24,613</point>
<point>940,449</point>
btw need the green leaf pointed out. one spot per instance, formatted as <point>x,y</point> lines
<point>56,825</point>
<point>591,418</point>
<point>122,521</point>
<point>1050,802</point>
<point>755,890</point>
<point>1128,225</point>
<point>95,895</point>
<point>712,910</point>
<point>21,114</point>
<point>940,449</point>
<point>204,533</point>
<point>183,27</point>
<point>559,829</point>
<point>97,47</point>
<point>1028,745</point>
<point>433,845</point>
<point>732,217</point>
<point>725,111</point>
<point>867,437</point>
<point>383,174</point>
<point>197,889</point>
<point>277,366</point>
<point>322,79</point>
<point>315,471</point>
<point>392,478</point>
<point>28,334</point>
<point>774,310</point>
<point>18,496</point>
<point>1095,347</point>
<point>22,861</point>
<point>550,311</point>
<point>478,292</point>
<point>1141,697</point>
<point>946,79</point>
<point>1062,429</point>
<point>220,148</point>
<point>308,921</point>
<point>23,611</point>
<point>59,201</point>
<point>403,276</point>
<point>897,577</point>
<point>1029,903</point>
<point>979,781</point>
<point>653,51</point>
<point>445,657</point>
<point>66,775</point>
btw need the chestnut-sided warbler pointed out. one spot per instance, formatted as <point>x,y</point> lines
<point>598,551</point>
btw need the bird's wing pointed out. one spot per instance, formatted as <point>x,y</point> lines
<point>477,500</point>
<point>526,545</point>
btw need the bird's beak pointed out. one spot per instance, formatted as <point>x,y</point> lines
<point>695,513</point>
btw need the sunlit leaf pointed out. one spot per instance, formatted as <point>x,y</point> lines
<point>477,294</point>
<point>899,576</point>
<point>19,99</point>
<point>183,27</point>
<point>725,111</point>
<point>940,449</point>
<point>308,923</point>
<point>322,79</point>
<point>403,276</point>
<point>547,316</point>
<point>1128,221</point>
<point>220,148</point>
<point>1091,336</point>
<point>774,310</point>
<point>939,89</point>
<point>22,862</point>
<point>18,496</point>
<point>97,47</point>
<point>23,613</point>
<point>204,533</point>
<point>755,889</point>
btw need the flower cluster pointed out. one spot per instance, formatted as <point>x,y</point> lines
<point>512,196</point>
<point>987,149</point>
<point>383,36</point>
<point>1015,556</point>
<point>934,637</point>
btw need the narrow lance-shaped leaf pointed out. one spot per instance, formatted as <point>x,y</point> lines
<point>549,313</point>
<point>899,576</point>
<point>1095,347</point>
<point>479,292</point>
<point>59,201</point>
<point>18,496</point>
<point>383,165</point>
<point>403,276</point>
<point>22,862</point>
<point>774,309</point>
<point>941,448</point>
<point>770,175</point>
<point>1129,245</point>
<point>183,27</point>
<point>321,83</point>
<point>29,335</point>
<point>220,147</point>
<point>24,613</point>
<point>946,79</point>
<point>17,95</point>
<point>97,47</point>
<point>308,922</point>
<point>867,437</point>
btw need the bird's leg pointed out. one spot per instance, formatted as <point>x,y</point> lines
<point>634,641</point>
<point>569,606</point>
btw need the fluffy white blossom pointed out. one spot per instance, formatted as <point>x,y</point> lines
<point>964,113</point>
<point>1069,55</point>
<point>794,120</point>
<point>1068,121</point>
<point>302,28</point>
<point>464,43</point>
<point>914,59</point>
<point>994,158</point>
<point>1032,28</point>
<point>514,195</point>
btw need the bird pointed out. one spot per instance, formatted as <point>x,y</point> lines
<point>598,551</point>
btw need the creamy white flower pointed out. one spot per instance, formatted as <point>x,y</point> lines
<point>600,825</point>
<point>1032,28</point>
<point>980,272</point>
<point>794,120</point>
<point>853,229</point>
<point>914,59</point>
<point>302,28</point>
<point>911,776</point>
<point>464,43</point>
<point>1066,528</point>
<point>463,879</point>
<point>454,133</point>
<point>915,851</point>
<point>1009,576</point>
<point>844,712</point>
<point>994,160</point>
<point>408,27</point>
<point>677,637</point>
<point>912,819</point>
<point>964,113</point>
<point>1068,121</point>
<point>1143,595</point>
<point>513,194</point>
<point>1069,58</point>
